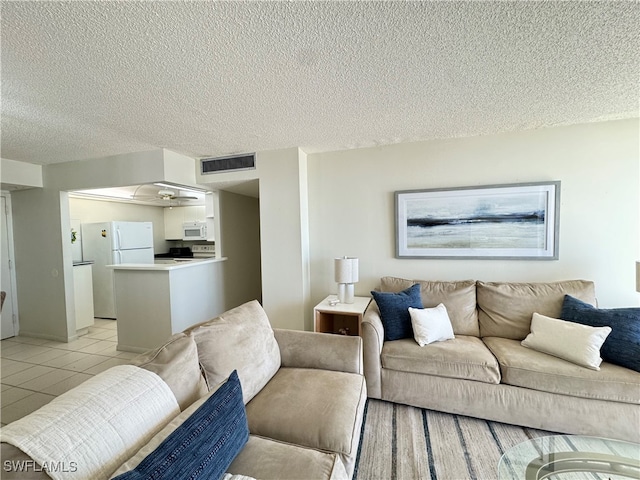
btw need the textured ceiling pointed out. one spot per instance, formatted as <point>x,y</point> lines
<point>90,79</point>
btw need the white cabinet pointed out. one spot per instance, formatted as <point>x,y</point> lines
<point>211,230</point>
<point>176,216</point>
<point>83,294</point>
<point>172,224</point>
<point>193,214</point>
<point>209,204</point>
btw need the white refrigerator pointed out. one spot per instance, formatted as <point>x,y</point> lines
<point>112,243</point>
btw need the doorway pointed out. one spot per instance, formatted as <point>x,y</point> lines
<point>8,315</point>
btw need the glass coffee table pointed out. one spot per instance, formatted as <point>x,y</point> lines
<point>560,457</point>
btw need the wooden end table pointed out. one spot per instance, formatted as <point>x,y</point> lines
<point>342,318</point>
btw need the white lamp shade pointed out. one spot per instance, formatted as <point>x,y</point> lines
<point>346,270</point>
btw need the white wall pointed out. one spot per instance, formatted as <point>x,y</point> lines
<point>13,173</point>
<point>284,233</point>
<point>240,232</point>
<point>351,205</point>
<point>43,263</point>
<point>44,271</point>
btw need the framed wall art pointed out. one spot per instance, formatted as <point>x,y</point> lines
<point>515,221</point>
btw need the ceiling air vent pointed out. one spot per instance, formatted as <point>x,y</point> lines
<point>227,164</point>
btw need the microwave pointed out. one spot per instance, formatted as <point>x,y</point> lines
<point>194,231</point>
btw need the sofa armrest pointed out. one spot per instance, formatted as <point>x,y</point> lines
<point>320,350</point>
<point>373,340</point>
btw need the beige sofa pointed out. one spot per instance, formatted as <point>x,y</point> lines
<point>485,372</point>
<point>304,396</point>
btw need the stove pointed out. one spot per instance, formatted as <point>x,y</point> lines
<point>204,251</point>
<point>176,252</point>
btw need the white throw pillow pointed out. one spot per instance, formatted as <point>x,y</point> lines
<point>431,324</point>
<point>576,343</point>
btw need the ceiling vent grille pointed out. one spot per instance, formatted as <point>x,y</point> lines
<point>227,164</point>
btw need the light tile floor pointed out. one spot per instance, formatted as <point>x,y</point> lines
<point>33,370</point>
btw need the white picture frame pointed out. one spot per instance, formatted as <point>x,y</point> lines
<point>512,221</point>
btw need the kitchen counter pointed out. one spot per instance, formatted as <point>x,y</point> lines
<point>166,264</point>
<point>154,301</point>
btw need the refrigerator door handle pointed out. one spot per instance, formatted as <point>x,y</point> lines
<point>119,235</point>
<point>119,257</point>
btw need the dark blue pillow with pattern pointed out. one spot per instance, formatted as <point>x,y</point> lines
<point>394,311</point>
<point>622,346</point>
<point>205,444</point>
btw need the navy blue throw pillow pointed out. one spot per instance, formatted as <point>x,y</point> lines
<point>622,346</point>
<point>394,311</point>
<point>205,444</point>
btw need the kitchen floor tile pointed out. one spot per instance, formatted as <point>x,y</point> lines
<point>46,357</point>
<point>33,371</point>
<point>24,407</point>
<point>109,351</point>
<point>103,323</point>
<point>8,342</point>
<point>127,355</point>
<point>9,367</point>
<point>67,384</point>
<point>8,348</point>
<point>86,363</point>
<point>112,362</point>
<point>40,383</point>
<point>30,340</point>
<point>54,344</point>
<point>97,347</point>
<point>27,351</point>
<point>13,394</point>
<point>76,344</point>
<point>66,359</point>
<point>100,333</point>
<point>24,376</point>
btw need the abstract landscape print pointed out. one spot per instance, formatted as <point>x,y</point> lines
<point>499,221</point>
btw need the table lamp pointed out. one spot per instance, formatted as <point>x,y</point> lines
<point>346,274</point>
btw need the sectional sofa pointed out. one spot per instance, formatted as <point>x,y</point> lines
<point>486,372</point>
<point>231,396</point>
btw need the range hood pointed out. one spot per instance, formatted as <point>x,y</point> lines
<point>160,194</point>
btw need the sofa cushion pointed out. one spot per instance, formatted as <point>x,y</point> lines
<point>269,459</point>
<point>202,443</point>
<point>505,309</point>
<point>430,325</point>
<point>575,343</point>
<point>176,362</point>
<point>312,408</point>
<point>622,346</point>
<point>528,368</point>
<point>464,357</point>
<point>240,339</point>
<point>394,311</point>
<point>459,297</point>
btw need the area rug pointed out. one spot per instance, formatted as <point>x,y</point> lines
<point>399,442</point>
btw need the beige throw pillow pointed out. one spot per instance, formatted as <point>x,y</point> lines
<point>176,362</point>
<point>576,343</point>
<point>240,339</point>
<point>431,324</point>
